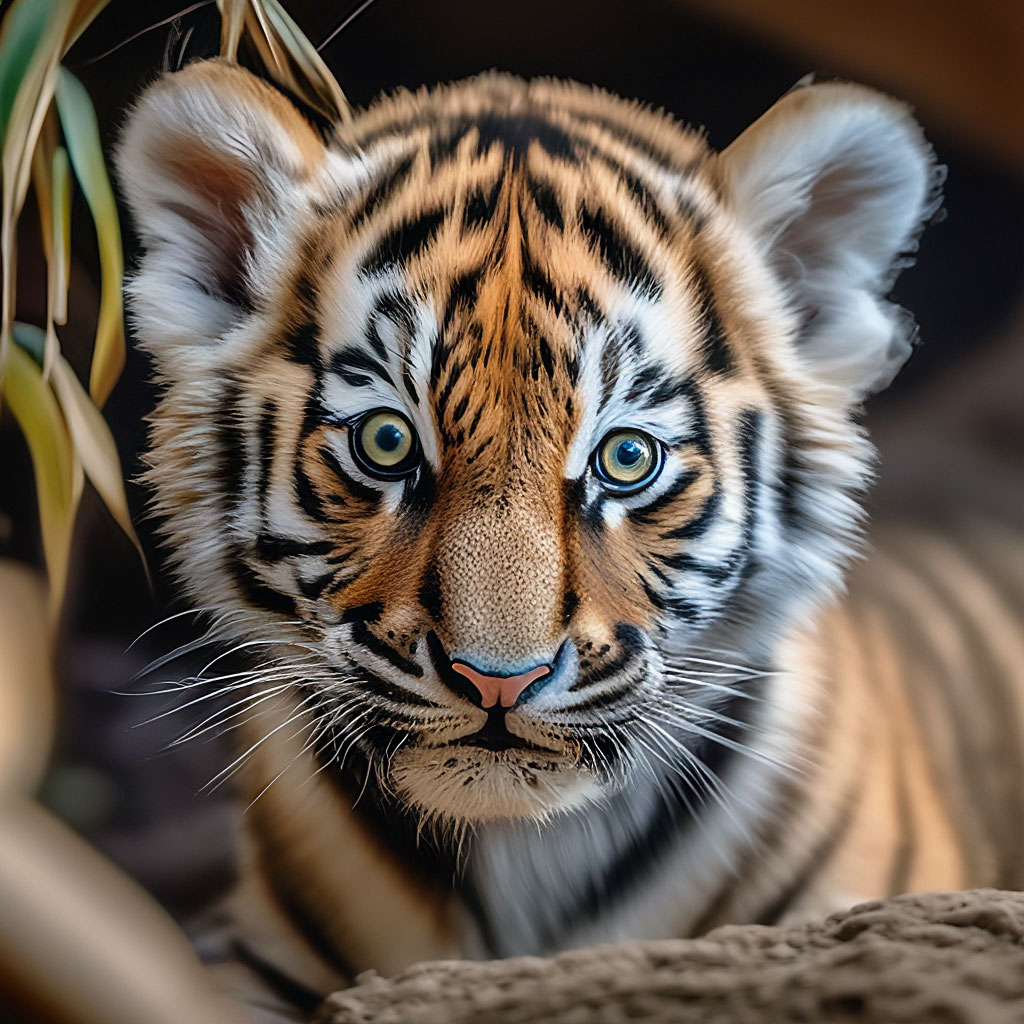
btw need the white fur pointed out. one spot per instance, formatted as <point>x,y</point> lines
<point>835,182</point>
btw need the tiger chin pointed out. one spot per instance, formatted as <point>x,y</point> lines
<point>460,790</point>
<point>513,433</point>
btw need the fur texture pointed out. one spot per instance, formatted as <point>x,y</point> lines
<point>518,270</point>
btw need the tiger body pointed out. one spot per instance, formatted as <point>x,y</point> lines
<point>514,273</point>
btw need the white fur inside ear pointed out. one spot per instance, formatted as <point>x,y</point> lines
<point>217,168</point>
<point>836,181</point>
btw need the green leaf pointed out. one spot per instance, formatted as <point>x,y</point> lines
<point>32,339</point>
<point>24,28</point>
<point>21,131</point>
<point>83,138</point>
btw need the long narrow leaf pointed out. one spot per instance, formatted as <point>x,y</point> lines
<point>23,31</point>
<point>21,130</point>
<point>94,446</point>
<point>314,71</point>
<point>83,138</point>
<point>232,24</point>
<point>36,411</point>
<point>61,181</point>
<point>43,182</point>
<point>286,54</point>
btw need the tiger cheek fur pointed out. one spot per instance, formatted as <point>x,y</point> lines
<point>483,621</point>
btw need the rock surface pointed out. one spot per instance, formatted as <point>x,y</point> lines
<point>938,958</point>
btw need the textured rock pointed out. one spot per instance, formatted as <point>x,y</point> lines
<point>939,958</point>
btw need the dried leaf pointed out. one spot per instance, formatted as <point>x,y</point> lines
<point>94,446</point>
<point>43,181</point>
<point>83,138</point>
<point>310,64</point>
<point>61,205</point>
<point>232,24</point>
<point>286,54</point>
<point>37,413</point>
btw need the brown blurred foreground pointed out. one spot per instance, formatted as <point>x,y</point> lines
<point>79,941</point>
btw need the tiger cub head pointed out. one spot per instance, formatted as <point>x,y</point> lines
<point>507,420</point>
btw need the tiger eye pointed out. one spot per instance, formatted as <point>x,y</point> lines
<point>626,461</point>
<point>384,444</point>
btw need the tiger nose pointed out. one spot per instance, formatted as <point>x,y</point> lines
<point>503,690</point>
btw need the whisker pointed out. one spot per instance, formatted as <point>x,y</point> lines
<point>225,773</point>
<point>148,28</point>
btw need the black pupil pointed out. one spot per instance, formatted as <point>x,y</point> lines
<point>388,437</point>
<point>629,453</point>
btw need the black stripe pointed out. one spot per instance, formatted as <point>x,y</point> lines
<point>463,293</point>
<point>429,594</point>
<point>624,260</point>
<point>545,356</point>
<point>517,132</point>
<point>292,991</point>
<point>348,362</point>
<point>700,523</point>
<point>362,635</point>
<point>644,382</point>
<point>603,700</point>
<point>645,199</point>
<point>570,602</point>
<point>404,242</point>
<point>382,190</point>
<point>355,488</point>
<point>270,548</point>
<point>806,873</point>
<point>267,434</point>
<point>685,609</point>
<point>302,345</point>
<point>729,566</point>
<point>631,647</point>
<point>292,894</point>
<point>302,487</point>
<point>372,685</point>
<point>630,138</point>
<point>682,484</point>
<point>231,456</point>
<point>305,493</point>
<point>718,356</point>
<point>544,198</point>
<point>903,855</point>
<point>640,851</point>
<point>313,589</point>
<point>480,206</point>
<point>609,375</point>
<point>254,589</point>
<point>538,283</point>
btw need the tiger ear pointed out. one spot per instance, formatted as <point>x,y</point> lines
<point>836,181</point>
<point>216,167</point>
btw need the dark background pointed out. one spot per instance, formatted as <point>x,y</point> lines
<point>115,781</point>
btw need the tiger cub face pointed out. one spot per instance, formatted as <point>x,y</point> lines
<point>493,417</point>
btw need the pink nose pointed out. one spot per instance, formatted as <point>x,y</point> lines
<point>500,689</point>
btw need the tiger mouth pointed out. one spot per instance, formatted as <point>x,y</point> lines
<point>494,735</point>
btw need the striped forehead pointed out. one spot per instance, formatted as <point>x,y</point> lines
<point>507,245</point>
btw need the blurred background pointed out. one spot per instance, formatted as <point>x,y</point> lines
<point>954,412</point>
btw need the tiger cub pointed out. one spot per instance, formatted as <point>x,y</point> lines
<point>513,432</point>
